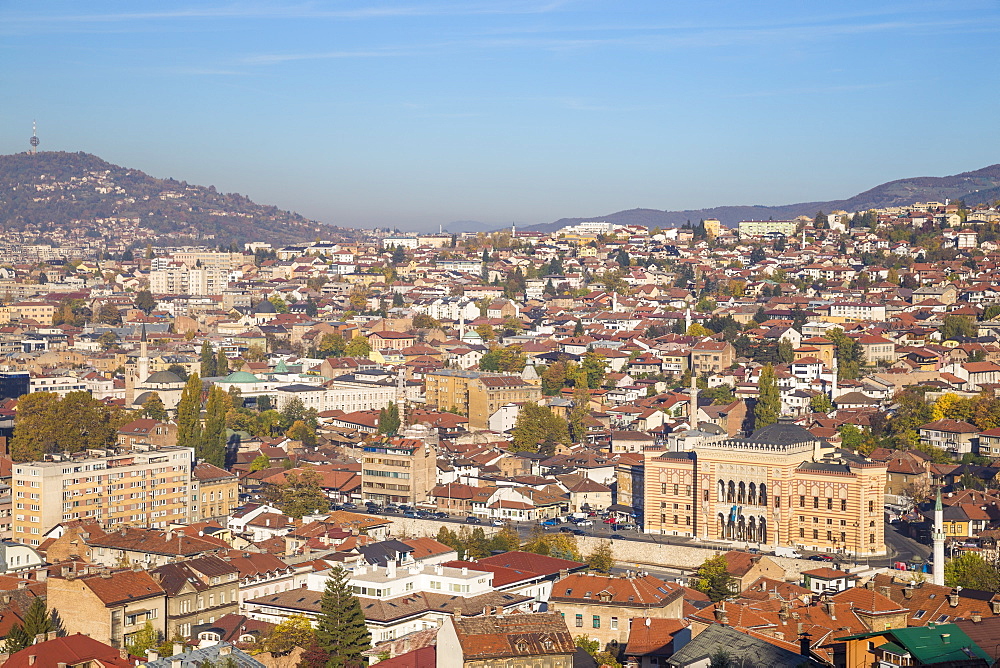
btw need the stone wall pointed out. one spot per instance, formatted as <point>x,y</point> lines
<point>408,527</point>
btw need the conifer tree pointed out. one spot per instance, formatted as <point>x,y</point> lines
<point>17,639</point>
<point>341,629</point>
<point>207,360</point>
<point>189,414</point>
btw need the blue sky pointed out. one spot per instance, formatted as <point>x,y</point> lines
<point>414,113</point>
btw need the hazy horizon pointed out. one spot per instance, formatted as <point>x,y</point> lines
<point>419,114</point>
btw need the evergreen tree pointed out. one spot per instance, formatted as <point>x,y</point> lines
<point>153,407</point>
<point>17,639</point>
<point>768,406</point>
<point>578,329</point>
<point>144,301</point>
<point>340,629</point>
<point>207,360</point>
<point>189,414</point>
<point>37,619</point>
<point>221,364</point>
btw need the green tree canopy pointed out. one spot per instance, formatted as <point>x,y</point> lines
<point>971,571</point>
<point>713,580</point>
<point>153,407</point>
<point>46,423</point>
<point>340,629</point>
<point>768,406</point>
<point>538,429</point>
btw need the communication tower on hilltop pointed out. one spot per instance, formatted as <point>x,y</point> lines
<point>34,139</point>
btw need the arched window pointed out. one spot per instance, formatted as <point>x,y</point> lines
<point>752,494</point>
<point>731,497</point>
<point>763,495</point>
<point>762,530</point>
<point>742,497</point>
<point>722,491</point>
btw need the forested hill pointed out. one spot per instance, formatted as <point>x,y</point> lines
<point>57,191</point>
<point>981,186</point>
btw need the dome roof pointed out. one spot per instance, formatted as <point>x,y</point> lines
<point>241,377</point>
<point>164,377</point>
<point>265,307</point>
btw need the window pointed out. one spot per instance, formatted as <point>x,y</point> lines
<point>815,502</point>
<point>663,488</point>
<point>843,537</point>
<point>815,534</point>
<point>705,495</point>
<point>802,532</point>
<point>676,490</point>
<point>829,536</point>
<point>843,504</point>
<point>871,506</point>
<point>597,621</point>
<point>829,504</point>
<point>579,621</point>
<point>777,502</point>
<point>614,623</point>
<point>802,502</point>
<point>675,520</point>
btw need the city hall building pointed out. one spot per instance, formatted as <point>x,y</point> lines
<point>781,486</point>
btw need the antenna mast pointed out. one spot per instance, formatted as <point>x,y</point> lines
<point>34,138</point>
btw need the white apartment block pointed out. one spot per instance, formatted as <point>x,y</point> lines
<point>760,228</point>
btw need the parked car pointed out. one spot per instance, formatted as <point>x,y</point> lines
<point>403,506</point>
<point>410,513</point>
<point>375,510</point>
<point>471,520</point>
<point>497,523</point>
<point>566,529</point>
<point>392,508</point>
<point>551,522</point>
<point>611,520</point>
<point>617,536</point>
<point>350,506</point>
<point>585,523</point>
<point>441,515</point>
<point>626,527</point>
<point>820,557</point>
<point>579,532</point>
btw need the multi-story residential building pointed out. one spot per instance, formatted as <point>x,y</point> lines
<point>955,436</point>
<point>141,487</point>
<point>177,278</point>
<point>711,357</point>
<point>400,470</point>
<point>145,431</point>
<point>601,606</point>
<point>214,493</point>
<point>199,591</point>
<point>760,228</point>
<point>61,385</point>
<point>857,312</point>
<point>778,487</point>
<point>111,606</point>
<point>478,395</point>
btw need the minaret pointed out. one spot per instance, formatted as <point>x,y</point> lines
<point>938,536</point>
<point>614,302</point>
<point>687,319</point>
<point>401,397</point>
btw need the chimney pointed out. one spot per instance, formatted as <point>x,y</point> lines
<point>945,638</point>
<point>884,591</point>
<point>870,584</point>
<point>563,572</point>
<point>178,648</point>
<point>995,607</point>
<point>225,650</point>
<point>907,592</point>
<point>804,644</point>
<point>152,655</point>
<point>831,609</point>
<point>976,618</point>
<point>31,659</point>
<point>720,614</point>
<point>953,599</point>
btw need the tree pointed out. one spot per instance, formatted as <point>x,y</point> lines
<point>17,639</point>
<point>259,463</point>
<point>578,415</point>
<point>821,403</point>
<point>301,494</point>
<point>37,620</point>
<point>146,638</point>
<point>602,558</point>
<point>294,631</point>
<point>486,331</point>
<point>107,340</point>
<point>388,419</point>
<point>424,321</point>
<point>279,304</point>
<point>207,360</point>
<point>957,326</point>
<point>721,395</point>
<point>554,378</point>
<point>786,354</point>
<point>46,423</point>
<point>538,429</point>
<point>578,329</point>
<point>697,329</point>
<point>592,370</point>
<point>768,406</point>
<point>713,579</point>
<point>340,628</point>
<point>505,540</point>
<point>300,431</point>
<point>331,344</point>
<point>971,571</point>
<point>109,315</point>
<point>153,407</point>
<point>212,445</point>
<point>221,364</point>
<point>189,414</point>
<point>358,347</point>
<point>144,301</point>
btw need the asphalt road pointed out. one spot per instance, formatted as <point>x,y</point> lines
<point>901,548</point>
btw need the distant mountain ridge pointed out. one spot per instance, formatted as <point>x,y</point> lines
<point>51,190</point>
<point>976,187</point>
